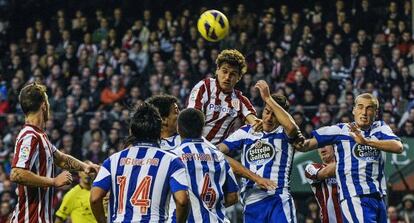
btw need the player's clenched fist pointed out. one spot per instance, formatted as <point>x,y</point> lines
<point>64,178</point>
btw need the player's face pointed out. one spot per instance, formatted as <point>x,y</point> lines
<point>269,119</point>
<point>364,112</point>
<point>326,153</point>
<point>227,77</point>
<point>172,118</point>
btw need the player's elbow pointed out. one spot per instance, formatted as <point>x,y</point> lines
<point>15,175</point>
<point>231,199</point>
<point>181,199</point>
<point>399,147</point>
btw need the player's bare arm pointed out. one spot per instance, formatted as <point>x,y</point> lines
<point>392,146</point>
<point>96,199</point>
<point>231,199</point>
<point>284,118</point>
<point>182,205</point>
<point>70,163</point>
<point>28,178</point>
<point>326,172</point>
<point>306,145</point>
<point>242,171</point>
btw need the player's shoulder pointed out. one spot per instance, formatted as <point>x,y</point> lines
<point>218,156</point>
<point>72,192</point>
<point>339,128</point>
<point>378,125</point>
<point>28,131</point>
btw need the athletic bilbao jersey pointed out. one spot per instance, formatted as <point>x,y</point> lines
<point>210,179</point>
<point>34,152</point>
<point>360,168</point>
<point>141,179</point>
<point>220,109</point>
<point>171,142</point>
<point>326,194</point>
<point>268,154</point>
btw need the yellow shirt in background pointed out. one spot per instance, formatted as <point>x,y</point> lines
<point>76,205</point>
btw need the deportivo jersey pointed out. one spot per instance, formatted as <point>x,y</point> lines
<point>210,178</point>
<point>34,152</point>
<point>326,194</point>
<point>220,109</point>
<point>268,154</point>
<point>171,142</point>
<point>141,179</point>
<point>360,168</point>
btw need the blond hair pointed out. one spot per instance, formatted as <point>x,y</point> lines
<point>368,96</point>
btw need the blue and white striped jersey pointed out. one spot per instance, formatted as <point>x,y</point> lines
<point>268,154</point>
<point>141,179</point>
<point>360,168</point>
<point>210,179</point>
<point>171,142</point>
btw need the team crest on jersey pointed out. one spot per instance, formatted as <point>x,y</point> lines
<point>25,152</point>
<point>331,181</point>
<point>260,153</point>
<point>366,153</point>
<point>235,103</point>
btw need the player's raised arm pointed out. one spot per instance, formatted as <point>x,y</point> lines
<point>283,117</point>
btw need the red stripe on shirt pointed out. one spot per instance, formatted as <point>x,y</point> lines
<point>335,200</point>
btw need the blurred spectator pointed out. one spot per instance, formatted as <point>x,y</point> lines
<point>393,215</point>
<point>407,212</point>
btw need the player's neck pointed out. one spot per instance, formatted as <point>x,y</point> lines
<point>84,186</point>
<point>35,119</point>
<point>166,134</point>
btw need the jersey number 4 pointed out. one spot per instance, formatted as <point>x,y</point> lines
<point>140,197</point>
<point>208,195</point>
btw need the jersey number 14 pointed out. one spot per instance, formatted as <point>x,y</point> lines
<point>140,198</point>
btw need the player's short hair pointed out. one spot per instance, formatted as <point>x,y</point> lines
<point>145,124</point>
<point>282,101</point>
<point>233,58</point>
<point>190,123</point>
<point>368,96</point>
<point>163,103</point>
<point>31,97</point>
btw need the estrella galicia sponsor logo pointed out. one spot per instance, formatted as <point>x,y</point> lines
<point>366,153</point>
<point>260,153</point>
<point>222,109</point>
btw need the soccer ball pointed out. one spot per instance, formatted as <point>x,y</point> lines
<point>213,25</point>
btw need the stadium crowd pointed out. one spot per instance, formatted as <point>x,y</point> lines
<point>98,63</point>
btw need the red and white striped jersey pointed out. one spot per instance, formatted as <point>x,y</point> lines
<point>326,194</point>
<point>34,152</point>
<point>220,109</point>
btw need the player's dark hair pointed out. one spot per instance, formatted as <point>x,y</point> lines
<point>145,125</point>
<point>233,58</point>
<point>190,123</point>
<point>31,97</point>
<point>282,101</point>
<point>163,103</point>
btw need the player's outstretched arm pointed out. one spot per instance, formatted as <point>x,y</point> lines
<point>96,200</point>
<point>70,163</point>
<point>28,178</point>
<point>182,205</point>
<point>392,146</point>
<point>306,145</point>
<point>256,123</point>
<point>242,171</point>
